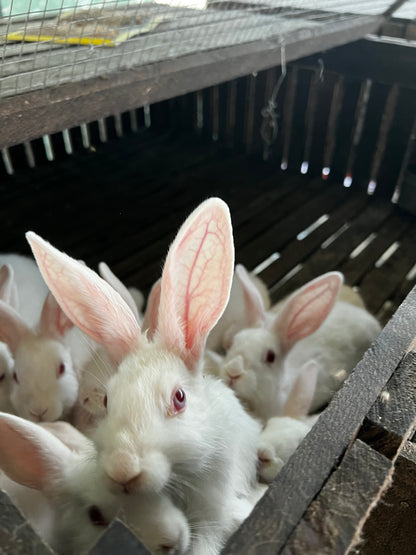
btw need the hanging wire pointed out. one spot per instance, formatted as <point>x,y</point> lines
<point>269,127</point>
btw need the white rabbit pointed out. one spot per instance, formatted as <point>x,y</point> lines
<point>282,434</point>
<point>235,316</point>
<point>8,294</point>
<point>264,361</point>
<point>30,290</point>
<point>133,297</point>
<point>51,475</point>
<point>45,384</point>
<point>97,371</point>
<point>168,425</point>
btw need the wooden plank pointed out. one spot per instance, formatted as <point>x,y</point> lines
<point>298,250</point>
<point>354,269</point>
<point>379,58</point>
<point>381,282</point>
<point>281,508</point>
<point>283,230</point>
<point>390,528</point>
<point>334,518</point>
<point>37,113</point>
<point>17,537</point>
<point>330,257</point>
<point>118,539</point>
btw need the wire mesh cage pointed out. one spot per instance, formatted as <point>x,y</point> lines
<point>48,43</point>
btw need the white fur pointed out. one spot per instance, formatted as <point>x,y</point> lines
<point>59,506</point>
<point>234,316</point>
<point>41,342</point>
<point>204,455</point>
<point>278,441</point>
<point>336,346</point>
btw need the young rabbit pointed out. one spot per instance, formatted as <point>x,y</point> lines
<point>264,361</point>
<point>282,434</point>
<point>8,294</point>
<point>235,316</point>
<point>167,425</point>
<point>51,474</point>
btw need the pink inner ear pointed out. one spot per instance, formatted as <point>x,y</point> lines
<point>306,310</point>
<point>196,280</point>
<point>91,303</point>
<point>24,457</point>
<point>53,320</point>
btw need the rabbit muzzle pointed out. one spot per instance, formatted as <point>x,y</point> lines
<point>233,370</point>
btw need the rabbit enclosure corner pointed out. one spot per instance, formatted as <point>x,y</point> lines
<point>106,152</point>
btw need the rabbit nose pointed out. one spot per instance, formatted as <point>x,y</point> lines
<point>38,413</point>
<point>124,469</point>
<point>132,484</point>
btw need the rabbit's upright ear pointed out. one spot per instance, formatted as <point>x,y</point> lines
<point>152,309</point>
<point>12,327</point>
<point>306,309</point>
<point>119,286</point>
<point>301,395</point>
<point>8,289</point>
<point>90,302</point>
<point>253,302</point>
<point>196,280</point>
<point>30,455</point>
<point>53,320</point>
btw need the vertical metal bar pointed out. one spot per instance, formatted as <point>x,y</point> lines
<point>331,133</point>
<point>48,147</point>
<point>30,157</point>
<point>288,116</point>
<point>67,141</point>
<point>147,117</point>
<point>118,125</point>
<point>85,134</point>
<point>7,161</point>
<point>133,121</point>
<point>215,112</point>
<point>102,130</point>
<point>386,122</point>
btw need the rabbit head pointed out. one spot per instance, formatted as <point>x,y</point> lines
<point>44,385</point>
<point>64,476</point>
<point>254,366</point>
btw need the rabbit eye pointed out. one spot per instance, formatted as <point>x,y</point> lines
<point>270,356</point>
<point>105,401</point>
<point>178,402</point>
<point>96,516</point>
<point>16,379</point>
<point>61,369</point>
<point>2,377</point>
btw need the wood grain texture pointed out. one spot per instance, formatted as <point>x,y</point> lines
<point>390,530</point>
<point>331,521</point>
<point>118,539</point>
<point>17,537</point>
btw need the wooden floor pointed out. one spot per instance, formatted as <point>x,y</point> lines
<point>124,203</point>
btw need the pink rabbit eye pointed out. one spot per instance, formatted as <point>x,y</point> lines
<point>96,516</point>
<point>61,370</point>
<point>178,402</point>
<point>105,401</point>
<point>2,377</point>
<point>270,356</point>
<point>16,379</point>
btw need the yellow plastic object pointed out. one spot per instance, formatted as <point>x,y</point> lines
<point>88,27</point>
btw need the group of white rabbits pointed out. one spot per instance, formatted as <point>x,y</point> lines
<point>165,420</point>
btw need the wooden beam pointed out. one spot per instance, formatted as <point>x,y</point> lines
<point>28,116</point>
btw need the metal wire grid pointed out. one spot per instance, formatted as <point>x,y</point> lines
<point>28,66</point>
